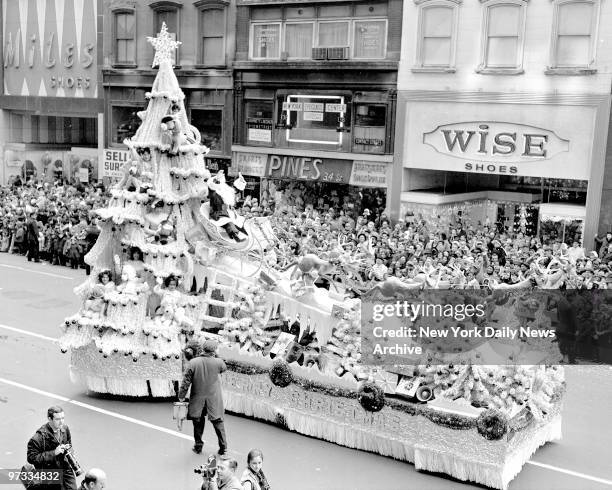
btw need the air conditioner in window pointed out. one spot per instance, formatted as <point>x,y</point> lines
<point>319,53</point>
<point>338,53</point>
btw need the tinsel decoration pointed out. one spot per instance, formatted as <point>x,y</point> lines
<point>248,329</point>
<point>450,420</point>
<point>492,424</point>
<point>280,419</point>
<point>371,397</point>
<point>280,373</point>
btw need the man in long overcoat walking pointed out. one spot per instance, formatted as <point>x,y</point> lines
<point>206,398</point>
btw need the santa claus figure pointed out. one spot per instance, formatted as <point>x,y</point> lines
<point>222,201</point>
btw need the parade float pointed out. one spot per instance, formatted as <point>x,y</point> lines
<point>174,264</point>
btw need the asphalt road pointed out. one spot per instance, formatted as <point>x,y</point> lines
<point>137,443</point>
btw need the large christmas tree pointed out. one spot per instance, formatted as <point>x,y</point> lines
<point>143,248</point>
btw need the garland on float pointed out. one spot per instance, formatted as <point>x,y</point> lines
<point>491,424</point>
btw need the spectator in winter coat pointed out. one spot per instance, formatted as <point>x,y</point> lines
<point>32,237</point>
<point>73,252</point>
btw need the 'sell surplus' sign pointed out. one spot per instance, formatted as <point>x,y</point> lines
<point>113,162</point>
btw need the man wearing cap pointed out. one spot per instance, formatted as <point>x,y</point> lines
<point>202,375</point>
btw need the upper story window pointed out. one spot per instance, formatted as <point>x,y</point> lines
<point>436,35</point>
<point>503,37</point>
<point>125,38</point>
<point>318,119</point>
<point>212,32</point>
<point>266,41</point>
<point>326,32</point>
<point>574,32</point>
<point>168,12</point>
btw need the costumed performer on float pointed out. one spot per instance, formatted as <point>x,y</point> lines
<point>95,304</point>
<point>170,311</point>
<point>222,201</point>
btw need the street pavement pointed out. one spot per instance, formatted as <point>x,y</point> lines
<point>137,443</point>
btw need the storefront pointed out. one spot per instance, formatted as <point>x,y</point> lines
<point>315,96</point>
<point>51,105</point>
<point>513,163</point>
<point>326,143</point>
<point>308,178</point>
<point>208,103</point>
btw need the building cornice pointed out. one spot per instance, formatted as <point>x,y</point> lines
<point>317,65</point>
<point>503,98</point>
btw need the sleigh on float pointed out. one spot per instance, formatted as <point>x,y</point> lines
<point>257,232</point>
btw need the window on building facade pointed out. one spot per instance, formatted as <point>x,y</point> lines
<point>125,38</point>
<point>319,119</point>
<point>370,39</point>
<point>210,124</point>
<point>298,40</point>
<point>266,42</point>
<point>259,121</point>
<point>167,12</point>
<point>574,28</point>
<point>436,34</point>
<point>38,129</point>
<point>370,128</point>
<point>333,32</point>
<point>212,49</point>
<point>503,36</point>
<point>124,122</point>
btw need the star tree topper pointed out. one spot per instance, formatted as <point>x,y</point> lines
<point>164,46</point>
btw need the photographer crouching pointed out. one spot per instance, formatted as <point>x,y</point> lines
<point>219,474</point>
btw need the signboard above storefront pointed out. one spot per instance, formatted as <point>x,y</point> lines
<point>50,48</point>
<point>253,164</point>
<point>550,141</point>
<point>499,141</point>
<point>369,174</point>
<point>311,168</point>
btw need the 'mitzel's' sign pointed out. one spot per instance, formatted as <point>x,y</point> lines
<point>495,147</point>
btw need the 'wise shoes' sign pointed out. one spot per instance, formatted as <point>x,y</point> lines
<point>495,142</point>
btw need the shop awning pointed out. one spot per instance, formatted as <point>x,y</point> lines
<point>557,212</point>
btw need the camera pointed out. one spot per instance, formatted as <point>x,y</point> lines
<point>209,469</point>
<point>71,460</point>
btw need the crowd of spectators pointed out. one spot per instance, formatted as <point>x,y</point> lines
<point>358,230</point>
<point>53,222</point>
<point>50,221</point>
